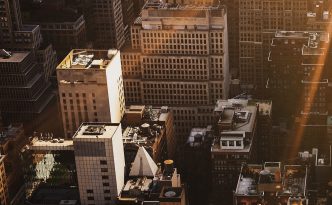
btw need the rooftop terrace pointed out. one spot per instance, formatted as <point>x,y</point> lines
<point>87,59</point>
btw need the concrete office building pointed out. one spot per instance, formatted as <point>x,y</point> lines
<point>100,162</point>
<point>90,88</point>
<point>178,57</point>
<point>234,144</point>
<point>258,21</point>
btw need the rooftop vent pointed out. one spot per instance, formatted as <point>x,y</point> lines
<point>94,130</point>
<point>5,54</point>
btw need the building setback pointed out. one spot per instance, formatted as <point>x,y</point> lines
<point>24,93</point>
<point>90,88</point>
<point>25,89</point>
<point>178,61</point>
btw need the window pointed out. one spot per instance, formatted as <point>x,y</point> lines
<point>103,162</point>
<point>107,198</point>
<point>89,191</point>
<point>224,143</point>
<point>231,143</point>
<point>107,191</point>
<point>91,198</point>
<point>238,143</point>
<point>104,170</point>
<point>104,177</point>
<point>106,184</point>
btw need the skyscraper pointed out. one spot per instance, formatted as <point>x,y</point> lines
<point>24,93</point>
<point>100,162</point>
<point>24,86</point>
<point>108,24</point>
<point>258,21</point>
<point>90,88</point>
<point>178,57</point>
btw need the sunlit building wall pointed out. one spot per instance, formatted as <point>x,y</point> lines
<point>90,88</point>
<point>100,162</point>
<point>178,57</point>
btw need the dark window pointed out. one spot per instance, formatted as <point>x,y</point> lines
<point>104,177</point>
<point>89,191</point>
<point>91,198</point>
<point>104,170</point>
<point>103,162</point>
<point>107,191</point>
<point>106,184</point>
<point>107,198</point>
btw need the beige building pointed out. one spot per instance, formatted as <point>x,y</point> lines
<point>100,162</point>
<point>90,88</point>
<point>258,22</point>
<point>178,57</point>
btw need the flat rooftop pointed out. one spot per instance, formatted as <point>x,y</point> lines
<point>256,179</point>
<point>87,59</point>
<point>159,4</point>
<point>51,145</point>
<point>146,134</point>
<point>198,135</point>
<point>96,130</point>
<point>15,57</point>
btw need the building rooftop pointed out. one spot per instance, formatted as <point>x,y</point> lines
<point>12,57</point>
<point>87,59</point>
<point>288,181</point>
<point>161,4</point>
<point>143,165</point>
<point>236,125</point>
<point>236,115</point>
<point>96,130</point>
<point>147,134</point>
<point>198,136</point>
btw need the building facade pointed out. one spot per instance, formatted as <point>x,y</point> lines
<point>258,21</point>
<point>100,163</point>
<point>23,89</point>
<point>234,143</point>
<point>108,24</point>
<point>177,61</point>
<point>90,88</point>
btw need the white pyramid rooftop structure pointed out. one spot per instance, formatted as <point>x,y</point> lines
<point>143,164</point>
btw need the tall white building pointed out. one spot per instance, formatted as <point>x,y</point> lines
<point>100,162</point>
<point>90,88</point>
<point>178,57</point>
